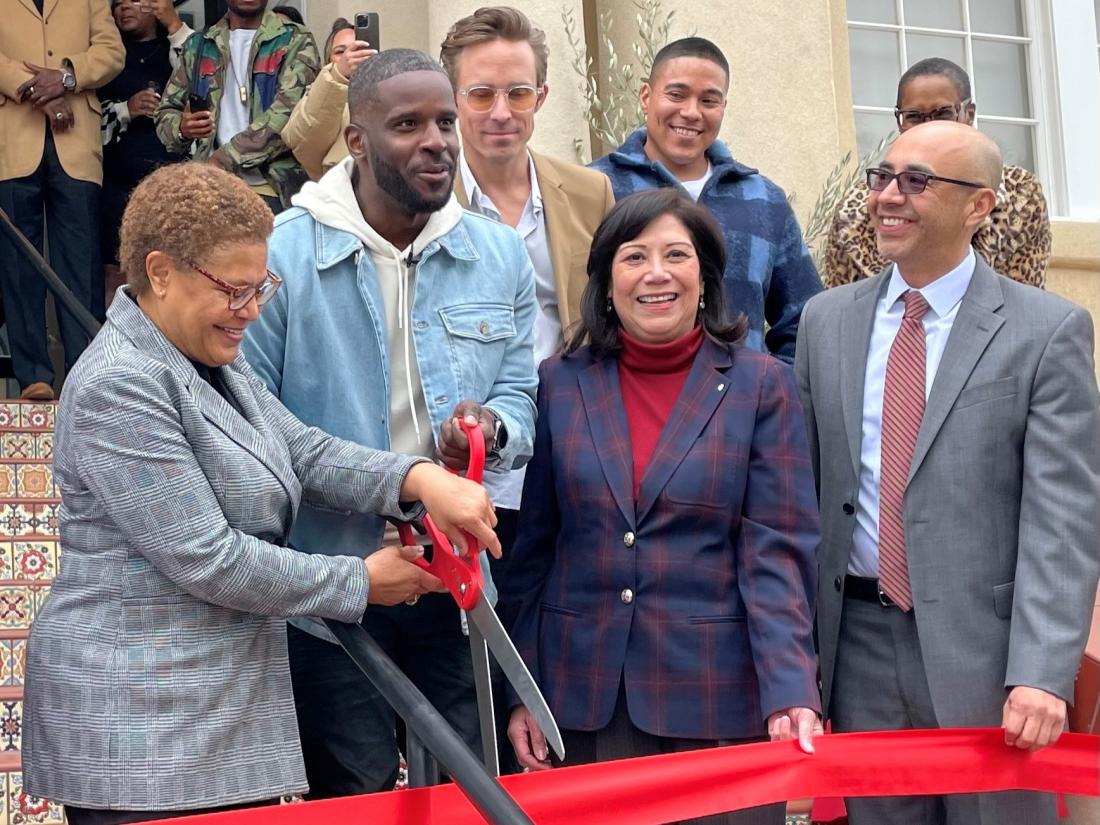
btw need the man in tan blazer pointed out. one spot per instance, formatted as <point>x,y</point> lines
<point>53,55</point>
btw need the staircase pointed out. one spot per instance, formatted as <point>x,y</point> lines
<point>29,556</point>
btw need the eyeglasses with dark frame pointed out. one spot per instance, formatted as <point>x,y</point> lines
<point>910,183</point>
<point>239,296</point>
<point>908,118</point>
<point>521,97</point>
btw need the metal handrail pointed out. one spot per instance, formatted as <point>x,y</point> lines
<point>55,284</point>
<point>429,727</point>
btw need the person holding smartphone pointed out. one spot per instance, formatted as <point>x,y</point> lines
<point>315,130</point>
<point>248,70</point>
<point>153,35</point>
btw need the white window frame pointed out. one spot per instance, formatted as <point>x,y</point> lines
<point>1058,37</point>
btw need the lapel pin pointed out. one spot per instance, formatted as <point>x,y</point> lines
<point>721,387</point>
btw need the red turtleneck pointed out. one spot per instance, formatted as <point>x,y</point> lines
<point>651,377</point>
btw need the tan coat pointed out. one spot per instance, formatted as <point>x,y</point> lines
<point>575,200</point>
<point>84,33</point>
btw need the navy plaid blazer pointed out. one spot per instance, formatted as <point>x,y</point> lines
<point>718,552</point>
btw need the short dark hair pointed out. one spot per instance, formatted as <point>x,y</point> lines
<point>494,23</point>
<point>338,25</point>
<point>939,67</point>
<point>690,47</point>
<point>626,221</point>
<point>290,13</point>
<point>363,87</point>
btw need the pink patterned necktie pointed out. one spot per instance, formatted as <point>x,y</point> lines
<point>902,410</point>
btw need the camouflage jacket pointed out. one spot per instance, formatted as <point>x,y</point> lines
<point>284,62</point>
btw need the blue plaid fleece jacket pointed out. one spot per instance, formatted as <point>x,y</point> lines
<point>769,272</point>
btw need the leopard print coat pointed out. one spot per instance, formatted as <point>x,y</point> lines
<point>1014,241</point>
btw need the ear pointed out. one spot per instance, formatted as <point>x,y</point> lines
<point>968,114</point>
<point>159,269</point>
<point>981,206</point>
<point>545,93</point>
<point>357,144</point>
<point>643,98</point>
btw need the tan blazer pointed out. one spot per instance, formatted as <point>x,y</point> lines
<point>575,199</point>
<point>81,31</point>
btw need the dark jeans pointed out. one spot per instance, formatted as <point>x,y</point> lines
<point>71,210</point>
<point>347,729</point>
<point>95,816</point>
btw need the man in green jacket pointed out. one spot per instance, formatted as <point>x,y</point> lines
<point>249,68</point>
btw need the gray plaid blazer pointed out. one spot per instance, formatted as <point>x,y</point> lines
<point>156,673</point>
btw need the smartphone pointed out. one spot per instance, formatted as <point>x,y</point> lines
<point>198,103</point>
<point>366,29</point>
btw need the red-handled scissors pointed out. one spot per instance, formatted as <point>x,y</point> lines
<point>460,572</point>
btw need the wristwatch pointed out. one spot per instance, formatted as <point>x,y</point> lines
<point>68,80</point>
<point>500,434</point>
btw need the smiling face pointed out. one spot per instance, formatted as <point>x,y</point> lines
<point>193,313</point>
<point>929,233</point>
<point>655,282</point>
<point>500,134</point>
<point>405,143</point>
<point>684,104</point>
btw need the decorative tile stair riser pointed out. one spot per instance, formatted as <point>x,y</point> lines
<point>29,561</point>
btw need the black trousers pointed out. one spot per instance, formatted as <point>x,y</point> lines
<point>348,731</point>
<point>71,209</point>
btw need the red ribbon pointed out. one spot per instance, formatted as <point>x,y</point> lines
<point>659,789</point>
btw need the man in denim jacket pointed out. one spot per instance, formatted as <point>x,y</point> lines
<point>769,273</point>
<point>400,313</point>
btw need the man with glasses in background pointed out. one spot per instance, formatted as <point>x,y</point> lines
<point>496,60</point>
<point>955,433</point>
<point>1014,241</point>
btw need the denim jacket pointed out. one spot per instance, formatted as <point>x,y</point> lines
<point>321,346</point>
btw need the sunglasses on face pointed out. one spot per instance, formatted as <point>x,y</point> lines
<point>520,98</point>
<point>910,183</point>
<point>239,296</point>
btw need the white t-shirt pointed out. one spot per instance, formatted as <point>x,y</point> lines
<point>695,187</point>
<point>233,113</point>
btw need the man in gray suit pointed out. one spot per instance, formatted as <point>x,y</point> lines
<point>954,425</point>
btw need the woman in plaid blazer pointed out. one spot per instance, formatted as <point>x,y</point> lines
<point>156,674</point>
<point>665,560</point>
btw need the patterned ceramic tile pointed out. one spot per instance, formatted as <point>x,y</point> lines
<point>16,607</point>
<point>7,667</point>
<point>38,416</point>
<point>17,519</point>
<point>46,519</point>
<point>4,799</point>
<point>18,445</point>
<point>9,414</point>
<point>23,809</point>
<point>39,596</point>
<point>44,446</point>
<point>34,559</point>
<point>7,571</point>
<point>34,481</point>
<point>14,662</point>
<point>11,725</point>
<point>8,475</point>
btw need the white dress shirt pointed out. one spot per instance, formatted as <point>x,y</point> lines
<point>532,228</point>
<point>943,296</point>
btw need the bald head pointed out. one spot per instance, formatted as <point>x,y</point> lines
<point>971,154</point>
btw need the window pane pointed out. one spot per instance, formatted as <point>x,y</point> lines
<point>920,46</point>
<point>874,11</point>
<point>1000,79</point>
<point>1017,142</point>
<point>875,59</point>
<point>871,128</point>
<point>935,14</point>
<point>997,17</point>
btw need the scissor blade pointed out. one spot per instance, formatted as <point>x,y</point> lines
<point>486,717</point>
<point>512,664</point>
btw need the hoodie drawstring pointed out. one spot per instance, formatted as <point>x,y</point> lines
<point>402,323</point>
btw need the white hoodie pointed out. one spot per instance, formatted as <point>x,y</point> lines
<point>331,201</point>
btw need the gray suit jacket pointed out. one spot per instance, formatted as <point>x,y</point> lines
<point>156,673</point>
<point>1002,511</point>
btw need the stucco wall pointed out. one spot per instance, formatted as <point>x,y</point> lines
<point>1074,271</point>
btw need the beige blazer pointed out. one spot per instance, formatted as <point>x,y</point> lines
<point>81,31</point>
<point>575,199</point>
